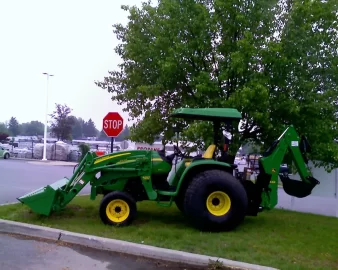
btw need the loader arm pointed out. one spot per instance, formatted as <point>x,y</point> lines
<point>269,164</point>
<point>56,196</point>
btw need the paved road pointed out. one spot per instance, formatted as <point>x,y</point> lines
<point>19,253</point>
<point>19,177</point>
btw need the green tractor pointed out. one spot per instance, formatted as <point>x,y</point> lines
<point>204,188</point>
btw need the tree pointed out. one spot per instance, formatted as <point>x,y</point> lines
<point>89,129</point>
<point>84,149</point>
<point>32,128</point>
<point>265,58</point>
<point>77,128</point>
<point>3,128</point>
<point>123,135</point>
<point>103,137</point>
<point>14,127</point>
<point>62,122</point>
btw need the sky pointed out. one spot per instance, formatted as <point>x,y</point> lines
<point>74,41</point>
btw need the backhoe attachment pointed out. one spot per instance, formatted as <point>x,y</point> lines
<point>267,180</point>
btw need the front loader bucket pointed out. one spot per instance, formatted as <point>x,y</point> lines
<point>298,188</point>
<point>44,200</point>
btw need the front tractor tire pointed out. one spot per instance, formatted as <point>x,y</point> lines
<point>215,201</point>
<point>117,209</point>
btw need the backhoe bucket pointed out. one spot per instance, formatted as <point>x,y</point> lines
<point>298,188</point>
<point>44,200</point>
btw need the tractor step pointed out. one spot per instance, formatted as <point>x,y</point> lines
<point>166,193</point>
<point>166,197</point>
<point>165,201</point>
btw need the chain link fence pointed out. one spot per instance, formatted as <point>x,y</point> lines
<point>58,151</point>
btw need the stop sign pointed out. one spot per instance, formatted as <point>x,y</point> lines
<point>112,124</point>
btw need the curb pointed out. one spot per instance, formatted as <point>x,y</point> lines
<point>23,159</point>
<point>52,163</point>
<point>71,163</point>
<point>119,246</point>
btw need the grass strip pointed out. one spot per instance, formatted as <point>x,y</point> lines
<point>278,238</point>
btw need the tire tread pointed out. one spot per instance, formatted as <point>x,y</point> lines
<point>197,183</point>
<point>117,195</point>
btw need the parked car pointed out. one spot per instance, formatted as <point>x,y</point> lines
<point>4,153</point>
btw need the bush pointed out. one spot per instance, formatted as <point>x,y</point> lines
<point>3,136</point>
<point>84,149</point>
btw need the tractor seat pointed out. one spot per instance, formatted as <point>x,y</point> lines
<point>208,154</point>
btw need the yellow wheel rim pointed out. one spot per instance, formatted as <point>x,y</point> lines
<point>117,211</point>
<point>218,203</point>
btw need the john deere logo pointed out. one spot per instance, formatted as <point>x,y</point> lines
<point>273,170</point>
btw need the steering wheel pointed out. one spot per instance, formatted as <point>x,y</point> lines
<point>177,151</point>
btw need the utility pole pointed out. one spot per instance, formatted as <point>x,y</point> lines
<point>44,158</point>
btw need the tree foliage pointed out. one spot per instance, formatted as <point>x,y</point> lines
<point>89,129</point>
<point>84,149</point>
<point>77,128</point>
<point>82,129</point>
<point>4,128</point>
<point>275,61</point>
<point>124,135</point>
<point>32,128</point>
<point>62,122</point>
<point>102,136</point>
<point>14,127</point>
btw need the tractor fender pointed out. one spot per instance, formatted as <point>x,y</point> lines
<point>196,167</point>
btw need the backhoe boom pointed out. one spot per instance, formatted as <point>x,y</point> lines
<point>267,180</point>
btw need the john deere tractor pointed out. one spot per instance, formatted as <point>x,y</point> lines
<point>204,188</point>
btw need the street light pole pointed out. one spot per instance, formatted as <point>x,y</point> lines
<point>46,115</point>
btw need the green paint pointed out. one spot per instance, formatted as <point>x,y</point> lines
<point>113,172</point>
<point>3,152</point>
<point>178,171</point>
<point>289,141</point>
<point>208,114</point>
<point>159,166</point>
<point>206,164</point>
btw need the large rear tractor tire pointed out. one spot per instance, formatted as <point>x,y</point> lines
<point>179,201</point>
<point>117,209</point>
<point>215,201</point>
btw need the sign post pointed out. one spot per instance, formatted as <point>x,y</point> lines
<point>112,126</point>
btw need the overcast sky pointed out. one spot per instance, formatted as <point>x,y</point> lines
<point>72,40</point>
